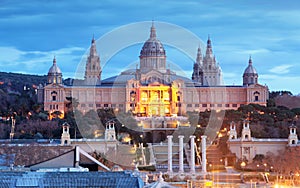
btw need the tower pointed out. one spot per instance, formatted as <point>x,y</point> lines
<point>250,75</point>
<point>197,69</point>
<point>93,69</point>
<point>110,133</point>
<point>153,55</point>
<point>54,74</point>
<point>246,132</point>
<point>54,92</point>
<point>293,138</point>
<point>232,132</point>
<point>65,136</point>
<point>211,70</point>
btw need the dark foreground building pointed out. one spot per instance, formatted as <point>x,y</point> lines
<point>70,179</point>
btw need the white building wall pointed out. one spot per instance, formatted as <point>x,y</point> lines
<point>248,149</point>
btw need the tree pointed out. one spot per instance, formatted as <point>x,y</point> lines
<point>271,103</point>
<point>296,111</point>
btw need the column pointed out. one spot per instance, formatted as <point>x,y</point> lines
<point>203,143</point>
<point>192,162</point>
<point>170,154</point>
<point>181,170</point>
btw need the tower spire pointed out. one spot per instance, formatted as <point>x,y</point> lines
<point>54,61</point>
<point>93,39</point>
<point>250,60</point>
<point>93,68</point>
<point>208,41</point>
<point>199,56</point>
<point>153,31</point>
<point>209,48</point>
<point>93,50</point>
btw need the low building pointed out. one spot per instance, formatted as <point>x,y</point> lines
<point>247,147</point>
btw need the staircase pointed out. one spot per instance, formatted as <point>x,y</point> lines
<point>214,158</point>
<point>225,177</point>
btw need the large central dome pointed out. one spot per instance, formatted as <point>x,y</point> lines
<point>153,47</point>
<point>153,54</point>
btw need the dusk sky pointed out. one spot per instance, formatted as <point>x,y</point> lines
<point>33,32</point>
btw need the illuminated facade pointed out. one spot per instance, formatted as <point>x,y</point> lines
<point>152,89</point>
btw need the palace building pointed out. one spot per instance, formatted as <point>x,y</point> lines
<point>152,89</point>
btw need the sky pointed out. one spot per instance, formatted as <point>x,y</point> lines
<point>32,32</point>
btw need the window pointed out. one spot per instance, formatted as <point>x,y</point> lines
<point>204,105</point>
<point>53,98</point>
<point>105,105</point>
<point>197,105</point>
<point>256,98</point>
<point>234,105</point>
<point>219,105</point>
<point>178,98</point>
<point>212,105</point>
<point>227,105</point>
<point>91,105</point>
<point>50,107</point>
<point>82,105</point>
<point>98,105</point>
<point>113,105</point>
<point>189,105</point>
<point>121,105</point>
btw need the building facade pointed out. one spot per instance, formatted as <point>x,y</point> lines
<point>152,89</point>
<point>247,147</point>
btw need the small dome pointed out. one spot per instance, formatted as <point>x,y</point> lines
<point>54,69</point>
<point>153,47</point>
<point>250,69</point>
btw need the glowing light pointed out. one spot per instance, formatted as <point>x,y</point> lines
<point>127,139</point>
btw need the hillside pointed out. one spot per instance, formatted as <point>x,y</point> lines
<point>15,82</point>
<point>17,92</point>
<point>288,101</point>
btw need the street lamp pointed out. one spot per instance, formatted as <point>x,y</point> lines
<point>265,165</point>
<point>243,164</point>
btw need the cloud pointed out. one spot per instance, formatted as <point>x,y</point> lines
<point>254,51</point>
<point>279,83</point>
<point>9,55</point>
<point>281,69</point>
<point>38,62</point>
